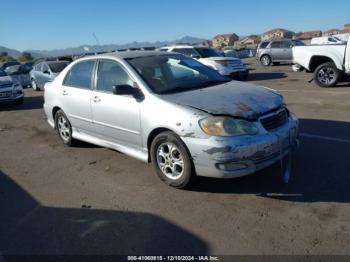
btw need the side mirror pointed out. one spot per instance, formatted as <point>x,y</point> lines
<point>46,72</point>
<point>127,90</point>
<point>123,90</point>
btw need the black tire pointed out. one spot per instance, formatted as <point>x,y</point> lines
<point>265,60</point>
<point>187,176</point>
<point>68,139</point>
<point>19,101</point>
<point>327,75</point>
<point>244,76</point>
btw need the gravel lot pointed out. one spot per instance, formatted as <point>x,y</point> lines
<point>92,200</point>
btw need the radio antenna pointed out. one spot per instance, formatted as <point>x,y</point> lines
<point>98,42</point>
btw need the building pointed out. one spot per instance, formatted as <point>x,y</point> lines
<point>306,37</point>
<point>331,32</point>
<point>277,33</point>
<point>252,40</point>
<point>347,27</point>
<point>225,40</point>
<point>207,43</point>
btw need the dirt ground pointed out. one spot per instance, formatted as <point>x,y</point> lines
<point>92,200</point>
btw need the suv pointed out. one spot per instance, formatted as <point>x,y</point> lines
<point>45,72</point>
<point>227,66</point>
<point>276,51</point>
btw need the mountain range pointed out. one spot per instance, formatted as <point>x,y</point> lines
<point>98,48</point>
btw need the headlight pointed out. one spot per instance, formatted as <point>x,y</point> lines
<point>227,126</point>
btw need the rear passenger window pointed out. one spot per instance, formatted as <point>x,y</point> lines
<point>80,75</point>
<point>287,44</point>
<point>276,44</point>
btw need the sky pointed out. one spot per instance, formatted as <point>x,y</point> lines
<point>47,25</point>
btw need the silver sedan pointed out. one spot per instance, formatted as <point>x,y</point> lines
<point>173,111</point>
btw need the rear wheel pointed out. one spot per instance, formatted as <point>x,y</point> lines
<point>265,60</point>
<point>64,128</point>
<point>171,160</point>
<point>327,75</point>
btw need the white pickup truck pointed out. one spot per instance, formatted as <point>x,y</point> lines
<point>329,63</point>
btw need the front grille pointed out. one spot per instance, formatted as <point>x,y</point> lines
<point>274,121</point>
<point>6,85</point>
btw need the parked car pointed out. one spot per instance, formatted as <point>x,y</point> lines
<point>45,72</point>
<point>20,73</point>
<point>172,110</point>
<point>324,40</point>
<point>3,66</point>
<point>330,64</point>
<point>227,66</point>
<point>276,51</point>
<point>11,90</point>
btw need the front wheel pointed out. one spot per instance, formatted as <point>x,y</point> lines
<point>171,160</point>
<point>265,60</point>
<point>327,75</point>
<point>64,128</point>
<point>34,85</point>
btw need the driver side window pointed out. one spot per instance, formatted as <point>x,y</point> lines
<point>109,74</point>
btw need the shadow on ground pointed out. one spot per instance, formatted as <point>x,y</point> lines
<point>321,169</point>
<point>30,103</point>
<point>266,76</point>
<point>26,227</point>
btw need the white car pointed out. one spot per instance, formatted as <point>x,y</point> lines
<point>227,66</point>
<point>10,89</point>
<point>326,40</point>
<point>329,63</point>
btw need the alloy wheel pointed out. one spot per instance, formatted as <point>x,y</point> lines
<point>170,160</point>
<point>63,128</point>
<point>326,75</point>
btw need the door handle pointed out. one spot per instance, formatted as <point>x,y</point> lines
<point>64,92</point>
<point>96,99</point>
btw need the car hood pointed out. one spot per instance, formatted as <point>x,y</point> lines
<point>5,80</point>
<point>221,58</point>
<point>234,98</point>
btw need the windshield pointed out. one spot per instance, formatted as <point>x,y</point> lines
<point>175,73</point>
<point>57,67</point>
<point>207,52</point>
<point>2,73</point>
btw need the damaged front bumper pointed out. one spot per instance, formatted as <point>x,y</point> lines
<point>230,157</point>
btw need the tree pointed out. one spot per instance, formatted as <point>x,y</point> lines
<point>4,57</point>
<point>25,56</point>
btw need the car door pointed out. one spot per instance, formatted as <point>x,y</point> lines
<point>276,50</point>
<point>116,117</point>
<point>287,51</point>
<point>46,75</point>
<point>76,94</point>
<point>36,73</point>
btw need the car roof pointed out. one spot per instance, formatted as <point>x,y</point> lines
<point>131,54</point>
<point>186,46</point>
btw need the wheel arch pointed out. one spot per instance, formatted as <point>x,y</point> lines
<point>317,60</point>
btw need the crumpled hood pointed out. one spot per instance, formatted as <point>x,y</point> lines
<point>233,98</point>
<point>5,80</point>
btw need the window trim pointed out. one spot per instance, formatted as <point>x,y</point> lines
<point>96,75</point>
<point>92,76</point>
